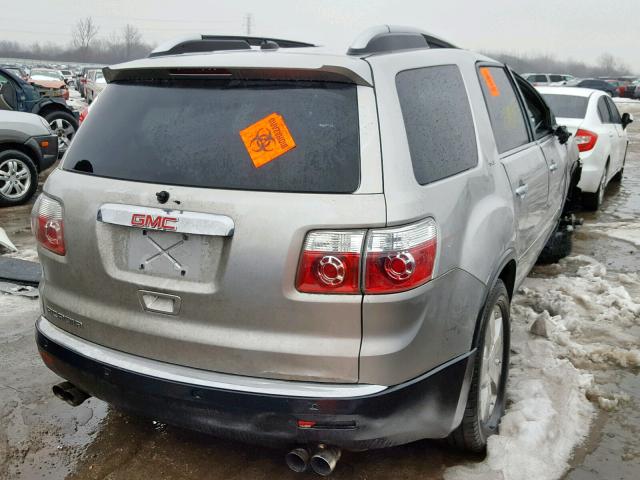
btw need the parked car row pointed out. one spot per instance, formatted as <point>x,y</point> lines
<point>19,95</point>
<point>628,87</point>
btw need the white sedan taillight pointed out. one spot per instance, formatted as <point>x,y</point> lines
<point>47,224</point>
<point>586,140</point>
<point>395,259</point>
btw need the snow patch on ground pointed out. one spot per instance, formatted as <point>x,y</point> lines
<point>582,322</point>
<point>627,231</point>
<point>29,254</point>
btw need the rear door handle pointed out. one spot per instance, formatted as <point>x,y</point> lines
<point>553,167</point>
<point>522,190</point>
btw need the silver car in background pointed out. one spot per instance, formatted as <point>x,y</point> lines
<point>301,248</point>
<point>94,85</point>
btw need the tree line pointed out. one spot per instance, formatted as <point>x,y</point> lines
<point>85,46</point>
<point>126,44</point>
<point>605,65</point>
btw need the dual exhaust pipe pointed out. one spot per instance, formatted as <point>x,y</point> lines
<point>68,392</point>
<point>322,461</point>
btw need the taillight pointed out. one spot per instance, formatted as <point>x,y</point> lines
<point>47,224</point>
<point>395,259</point>
<point>330,262</point>
<point>399,259</point>
<point>586,140</point>
<point>83,115</point>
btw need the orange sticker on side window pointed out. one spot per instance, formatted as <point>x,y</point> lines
<point>267,139</point>
<point>490,82</point>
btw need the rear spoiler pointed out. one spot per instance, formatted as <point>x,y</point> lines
<point>216,43</point>
<point>326,73</point>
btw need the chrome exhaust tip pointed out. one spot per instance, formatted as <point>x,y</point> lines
<point>298,459</point>
<point>69,393</point>
<point>325,459</point>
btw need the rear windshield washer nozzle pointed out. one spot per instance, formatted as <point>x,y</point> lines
<point>163,196</point>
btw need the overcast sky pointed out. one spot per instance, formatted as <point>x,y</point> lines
<point>578,29</point>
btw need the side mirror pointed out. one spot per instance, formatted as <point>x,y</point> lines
<point>627,118</point>
<point>563,134</point>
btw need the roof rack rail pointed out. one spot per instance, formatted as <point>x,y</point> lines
<point>211,43</point>
<point>392,38</point>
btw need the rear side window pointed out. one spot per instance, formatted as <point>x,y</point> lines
<point>538,78</point>
<point>438,122</point>
<point>188,133</point>
<point>556,78</point>
<point>567,106</point>
<point>505,112</point>
<point>603,111</point>
<point>613,110</point>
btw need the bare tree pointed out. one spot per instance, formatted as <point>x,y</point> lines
<point>84,33</point>
<point>131,39</point>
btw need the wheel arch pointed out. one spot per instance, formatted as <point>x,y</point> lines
<point>51,107</point>
<point>27,148</point>
<point>506,271</point>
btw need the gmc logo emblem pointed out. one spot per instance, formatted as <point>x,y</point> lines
<point>150,221</point>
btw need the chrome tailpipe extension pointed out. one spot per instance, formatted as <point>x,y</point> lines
<point>69,393</point>
<point>325,459</point>
<point>298,459</point>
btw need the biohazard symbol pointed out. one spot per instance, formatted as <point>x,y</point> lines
<point>267,139</point>
<point>263,140</point>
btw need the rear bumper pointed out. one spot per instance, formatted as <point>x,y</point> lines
<point>430,406</point>
<point>592,169</point>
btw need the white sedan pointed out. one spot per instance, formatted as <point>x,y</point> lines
<point>600,133</point>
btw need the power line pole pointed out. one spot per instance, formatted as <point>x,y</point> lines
<point>248,23</point>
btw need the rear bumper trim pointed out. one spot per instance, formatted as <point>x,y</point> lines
<point>430,406</point>
<point>194,376</point>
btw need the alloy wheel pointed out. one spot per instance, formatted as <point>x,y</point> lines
<point>15,178</point>
<point>64,130</point>
<point>491,371</point>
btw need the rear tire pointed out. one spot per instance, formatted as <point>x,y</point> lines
<point>483,413</point>
<point>18,178</point>
<point>593,201</point>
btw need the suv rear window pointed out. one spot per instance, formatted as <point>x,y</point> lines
<point>188,133</point>
<point>567,106</point>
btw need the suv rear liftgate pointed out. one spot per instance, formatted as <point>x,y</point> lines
<point>204,202</point>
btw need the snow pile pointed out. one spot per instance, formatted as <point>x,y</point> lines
<point>563,327</point>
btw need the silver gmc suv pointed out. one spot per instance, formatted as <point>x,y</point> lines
<point>261,240</point>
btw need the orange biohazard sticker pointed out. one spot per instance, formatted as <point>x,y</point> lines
<point>267,139</point>
<point>490,82</point>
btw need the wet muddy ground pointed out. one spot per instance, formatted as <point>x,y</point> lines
<point>41,437</point>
